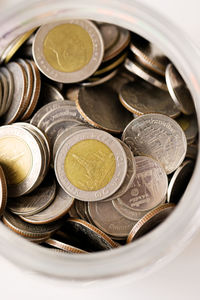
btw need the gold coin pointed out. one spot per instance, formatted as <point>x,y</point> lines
<point>90,165</point>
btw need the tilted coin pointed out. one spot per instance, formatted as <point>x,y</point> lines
<point>5,91</point>
<point>112,66</point>
<point>36,201</point>
<point>49,93</point>
<point>153,78</point>
<point>55,210</point>
<point>140,97</point>
<point>90,165</point>
<point>72,211</point>
<point>94,81</point>
<point>108,219</point>
<point>150,221</point>
<point>122,77</point>
<point>101,108</point>
<point>9,77</point>
<point>80,209</point>
<point>3,192</point>
<point>72,93</point>
<point>189,125</point>
<point>67,248</point>
<point>159,137</point>
<point>110,34</point>
<point>39,240</point>
<point>29,230</point>
<point>179,181</point>
<point>82,44</point>
<point>192,151</point>
<point>91,236</point>
<point>179,91</point>
<point>149,186</point>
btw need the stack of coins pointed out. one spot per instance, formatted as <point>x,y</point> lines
<point>109,142</point>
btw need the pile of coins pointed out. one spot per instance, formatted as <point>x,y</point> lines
<point>108,141</point>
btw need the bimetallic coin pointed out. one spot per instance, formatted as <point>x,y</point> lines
<point>106,217</point>
<point>49,93</point>
<point>179,91</point>
<point>159,137</point>
<point>150,221</point>
<point>81,43</point>
<point>110,34</point>
<point>36,201</point>
<point>140,97</point>
<point>180,181</point>
<point>3,192</point>
<point>57,209</point>
<point>76,164</point>
<point>65,247</point>
<point>152,78</point>
<point>100,107</point>
<point>189,125</point>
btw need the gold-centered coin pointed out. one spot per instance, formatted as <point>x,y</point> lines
<point>68,47</point>
<point>15,158</point>
<point>90,165</point>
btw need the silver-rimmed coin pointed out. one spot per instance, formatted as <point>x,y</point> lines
<point>149,186</point>
<point>76,164</point>
<point>140,97</point>
<point>159,137</point>
<point>21,159</point>
<point>57,209</point>
<point>108,219</point>
<point>16,224</point>
<point>65,247</point>
<point>49,93</point>
<point>180,181</point>
<point>81,43</point>
<point>5,90</point>
<point>147,75</point>
<point>110,34</point>
<point>130,175</point>
<point>179,91</point>
<point>36,201</point>
<point>94,81</point>
<point>150,221</point>
<point>9,77</point>
<point>100,107</point>
<point>189,125</point>
<point>3,191</point>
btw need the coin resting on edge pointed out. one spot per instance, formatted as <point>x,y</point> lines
<point>68,51</point>
<point>65,247</point>
<point>159,137</point>
<point>90,165</point>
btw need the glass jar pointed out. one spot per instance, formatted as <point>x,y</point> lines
<point>148,253</point>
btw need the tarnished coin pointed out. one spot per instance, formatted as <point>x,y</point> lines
<point>153,78</point>
<point>81,43</point>
<point>159,137</point>
<point>65,247</point>
<point>108,219</point>
<point>5,91</point>
<point>9,77</point>
<point>3,192</point>
<point>29,230</point>
<point>49,93</point>
<point>36,201</point>
<point>140,97</point>
<point>57,209</point>
<point>110,34</point>
<point>150,221</point>
<point>149,186</point>
<point>20,87</point>
<point>90,165</point>
<point>179,181</point>
<point>179,91</point>
<point>91,236</point>
<point>190,127</point>
<point>100,107</point>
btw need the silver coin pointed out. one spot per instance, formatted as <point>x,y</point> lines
<point>9,77</point>
<point>63,246</point>
<point>66,28</point>
<point>122,77</point>
<point>140,97</point>
<point>159,137</point>
<point>110,34</point>
<point>130,175</point>
<point>72,93</point>
<point>107,218</point>
<point>192,151</point>
<point>72,211</point>
<point>179,181</point>
<point>57,209</point>
<point>94,81</point>
<point>80,209</point>
<point>190,127</point>
<point>5,89</point>
<point>152,78</point>
<point>90,188</point>
<point>49,94</point>
<point>179,91</point>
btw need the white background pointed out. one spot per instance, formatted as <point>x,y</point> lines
<point>177,280</point>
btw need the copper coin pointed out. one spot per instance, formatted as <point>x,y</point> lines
<point>67,248</point>
<point>3,192</point>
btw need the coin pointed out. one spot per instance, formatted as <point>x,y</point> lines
<point>81,43</point>
<point>91,236</point>
<point>9,77</point>
<point>110,34</point>
<point>192,151</point>
<point>159,137</point>
<point>180,181</point>
<point>29,230</point>
<point>153,78</point>
<point>5,89</point>
<point>72,93</point>
<point>36,201</point>
<point>179,91</point>
<point>76,164</point>
<point>140,97</point>
<point>100,107</point>
<point>55,210</point>
<point>72,211</point>
<point>92,81</point>
<point>113,65</point>
<point>108,219</point>
<point>80,209</point>
<point>150,221</point>
<point>189,126</point>
<point>67,248</point>
<point>49,94</point>
<point>3,192</point>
